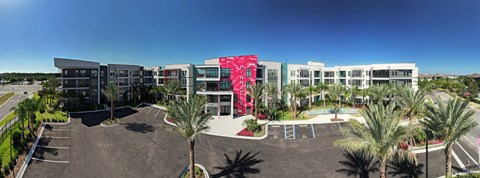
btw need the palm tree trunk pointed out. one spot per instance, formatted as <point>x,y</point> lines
<point>111,110</point>
<point>191,143</point>
<point>295,108</point>
<point>448,162</point>
<point>335,111</point>
<point>383,166</point>
<point>323,98</point>
<point>256,112</point>
<point>310,100</point>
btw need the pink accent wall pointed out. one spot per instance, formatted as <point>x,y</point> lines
<point>238,66</point>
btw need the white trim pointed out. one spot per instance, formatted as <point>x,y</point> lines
<point>51,161</point>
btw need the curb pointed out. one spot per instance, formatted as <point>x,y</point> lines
<point>30,153</point>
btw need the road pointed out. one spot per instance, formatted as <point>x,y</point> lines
<point>19,96</point>
<point>466,147</point>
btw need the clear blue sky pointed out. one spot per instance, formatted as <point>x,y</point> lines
<point>438,35</point>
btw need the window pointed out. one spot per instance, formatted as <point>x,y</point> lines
<point>292,73</point>
<point>249,73</point>
<point>248,85</point>
<point>235,98</point>
<point>225,85</point>
<point>65,72</point>
<point>94,73</point>
<point>249,99</point>
<point>225,72</point>
<point>211,72</point>
<point>183,81</point>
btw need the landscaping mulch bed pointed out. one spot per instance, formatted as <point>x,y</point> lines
<point>245,132</point>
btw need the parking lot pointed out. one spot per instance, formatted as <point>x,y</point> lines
<point>144,146</point>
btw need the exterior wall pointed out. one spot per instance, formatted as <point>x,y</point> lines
<point>267,77</point>
<point>238,66</point>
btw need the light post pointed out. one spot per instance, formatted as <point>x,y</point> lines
<point>426,153</point>
<point>468,168</point>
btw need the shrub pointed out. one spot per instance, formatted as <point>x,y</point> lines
<point>16,137</point>
<point>251,125</point>
<point>245,132</point>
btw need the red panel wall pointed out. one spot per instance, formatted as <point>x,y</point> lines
<point>238,75</point>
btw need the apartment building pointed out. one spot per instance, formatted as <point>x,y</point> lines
<point>225,80</point>
<point>83,81</point>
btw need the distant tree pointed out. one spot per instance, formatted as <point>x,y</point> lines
<point>111,92</point>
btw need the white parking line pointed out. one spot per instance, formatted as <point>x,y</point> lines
<point>53,137</point>
<point>473,144</point>
<point>458,160</point>
<point>59,129</point>
<point>53,147</point>
<point>466,153</point>
<point>156,114</point>
<point>50,161</point>
<point>149,110</point>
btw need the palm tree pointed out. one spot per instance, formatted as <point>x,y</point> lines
<point>31,106</point>
<point>21,112</point>
<point>335,92</point>
<point>355,92</point>
<point>295,92</point>
<point>190,119</point>
<point>173,88</point>
<point>379,137</point>
<point>322,87</point>
<point>449,122</point>
<point>257,92</point>
<point>403,167</point>
<point>378,91</point>
<point>363,93</point>
<point>272,91</point>
<point>312,91</point>
<point>111,92</point>
<point>411,100</point>
<point>157,90</point>
<point>358,163</point>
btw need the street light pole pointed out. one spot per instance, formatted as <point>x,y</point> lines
<point>426,153</point>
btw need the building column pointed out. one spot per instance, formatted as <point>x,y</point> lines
<point>219,107</point>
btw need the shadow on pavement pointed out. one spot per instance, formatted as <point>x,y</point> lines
<point>95,118</point>
<point>241,166</point>
<point>140,127</point>
<point>358,164</point>
<point>404,167</point>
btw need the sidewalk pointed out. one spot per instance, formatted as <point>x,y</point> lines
<point>228,127</point>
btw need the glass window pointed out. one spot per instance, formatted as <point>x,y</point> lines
<point>249,99</point>
<point>249,73</point>
<point>225,72</point>
<point>225,85</point>
<point>248,85</point>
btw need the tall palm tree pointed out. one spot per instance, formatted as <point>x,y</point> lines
<point>173,88</point>
<point>322,88</point>
<point>312,91</point>
<point>257,92</point>
<point>31,106</point>
<point>111,92</point>
<point>379,137</point>
<point>272,91</point>
<point>21,112</point>
<point>295,90</point>
<point>335,92</point>
<point>378,91</point>
<point>190,119</point>
<point>364,92</point>
<point>449,122</point>
<point>355,92</point>
<point>157,90</point>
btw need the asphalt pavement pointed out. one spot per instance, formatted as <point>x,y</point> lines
<point>19,96</point>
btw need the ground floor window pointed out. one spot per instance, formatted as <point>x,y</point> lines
<point>225,110</point>
<point>212,110</point>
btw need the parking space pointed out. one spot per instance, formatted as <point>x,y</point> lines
<point>150,111</point>
<point>309,134</point>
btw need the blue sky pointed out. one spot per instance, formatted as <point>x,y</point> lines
<point>440,36</point>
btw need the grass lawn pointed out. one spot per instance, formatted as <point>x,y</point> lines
<point>289,116</point>
<point>5,146</point>
<point>4,98</point>
<point>8,118</point>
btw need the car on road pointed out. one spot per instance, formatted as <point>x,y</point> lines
<point>25,92</point>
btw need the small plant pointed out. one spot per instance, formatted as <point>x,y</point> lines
<point>251,125</point>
